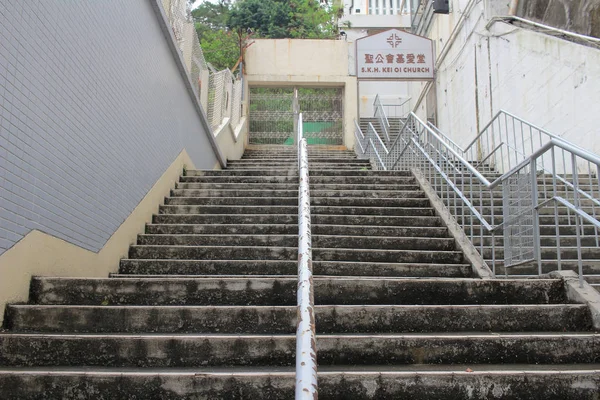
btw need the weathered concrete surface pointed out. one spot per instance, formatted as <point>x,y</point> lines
<point>456,385</point>
<point>22,350</point>
<point>282,291</point>
<point>581,293</point>
<point>282,267</point>
<point>282,319</point>
<point>580,16</point>
<point>215,317</point>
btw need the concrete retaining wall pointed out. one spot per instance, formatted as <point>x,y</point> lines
<point>581,16</point>
<point>93,110</point>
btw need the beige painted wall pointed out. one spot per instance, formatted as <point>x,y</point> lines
<point>44,255</point>
<point>279,62</point>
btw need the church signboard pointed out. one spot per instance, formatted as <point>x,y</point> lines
<point>394,54</point>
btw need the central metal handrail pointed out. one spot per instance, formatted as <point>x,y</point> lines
<point>306,347</point>
<point>532,184</point>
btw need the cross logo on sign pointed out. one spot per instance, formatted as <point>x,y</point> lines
<point>394,40</point>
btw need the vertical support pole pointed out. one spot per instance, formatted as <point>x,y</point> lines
<point>306,345</point>
<point>556,222</point>
<point>578,222</point>
<point>295,110</point>
<point>536,221</point>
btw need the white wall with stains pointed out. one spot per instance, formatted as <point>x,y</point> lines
<point>551,82</point>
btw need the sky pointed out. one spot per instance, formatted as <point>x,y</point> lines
<point>197,3</point>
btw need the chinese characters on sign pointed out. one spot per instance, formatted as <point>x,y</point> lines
<point>394,54</point>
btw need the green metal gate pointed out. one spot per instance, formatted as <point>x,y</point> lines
<point>271,116</point>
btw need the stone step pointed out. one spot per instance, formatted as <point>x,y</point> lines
<point>589,267</point>
<point>371,193</point>
<point>214,252</point>
<point>243,172</point>
<point>293,171</point>
<point>561,210</point>
<point>25,350</point>
<point>472,193</point>
<point>313,160</point>
<point>290,253</point>
<point>320,219</point>
<point>281,290</point>
<point>315,201</point>
<point>290,229</point>
<point>546,241</point>
<point>282,319</point>
<point>282,267</point>
<point>292,186</point>
<point>318,241</point>
<point>544,220</point>
<point>291,192</point>
<point>312,167</point>
<point>314,179</point>
<point>547,230</point>
<point>461,382</point>
<point>293,164</point>
<point>327,210</point>
<point>294,193</point>
<point>584,182</point>
<point>360,172</point>
<point>498,202</point>
<point>549,253</point>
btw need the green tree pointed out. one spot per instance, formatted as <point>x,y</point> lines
<point>220,47</point>
<point>305,19</point>
<point>223,27</point>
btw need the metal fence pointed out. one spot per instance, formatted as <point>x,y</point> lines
<point>271,114</point>
<point>323,114</point>
<point>217,97</point>
<point>547,213</point>
<point>219,92</point>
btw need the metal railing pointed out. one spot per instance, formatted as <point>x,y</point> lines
<point>379,113</point>
<point>504,142</point>
<point>306,347</point>
<point>397,110</point>
<point>217,91</point>
<point>549,30</point>
<point>571,198</point>
<point>391,7</point>
<point>535,199</point>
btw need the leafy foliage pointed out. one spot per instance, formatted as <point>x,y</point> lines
<point>220,48</point>
<point>222,27</point>
<point>305,19</point>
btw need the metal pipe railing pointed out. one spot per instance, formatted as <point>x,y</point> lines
<point>527,187</point>
<point>380,114</point>
<point>306,345</point>
<point>546,28</point>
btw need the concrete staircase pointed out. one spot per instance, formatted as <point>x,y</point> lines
<point>204,307</point>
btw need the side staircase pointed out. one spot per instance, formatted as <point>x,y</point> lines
<point>395,125</point>
<point>563,221</point>
<point>204,307</point>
